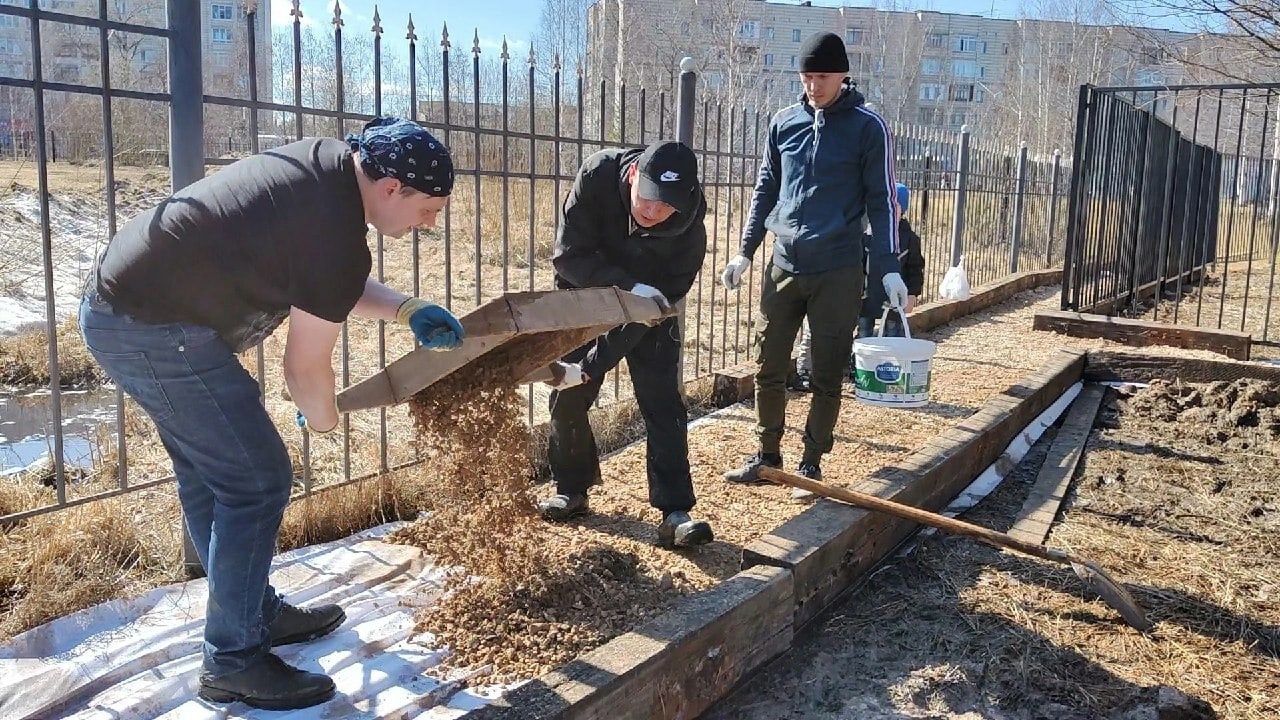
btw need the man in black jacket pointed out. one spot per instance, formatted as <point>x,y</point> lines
<point>634,219</point>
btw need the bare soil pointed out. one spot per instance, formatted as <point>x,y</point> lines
<point>1176,497</point>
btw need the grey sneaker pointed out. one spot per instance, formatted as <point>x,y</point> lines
<point>679,530</point>
<point>559,508</point>
<point>749,474</point>
<point>811,471</point>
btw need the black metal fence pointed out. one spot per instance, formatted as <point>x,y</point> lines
<point>519,128</point>
<point>1175,205</point>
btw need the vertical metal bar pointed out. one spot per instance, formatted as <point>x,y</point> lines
<point>506,168</point>
<point>383,449</point>
<point>1193,183</point>
<point>582,112</point>
<point>962,197</point>
<point>415,239</point>
<point>1140,231</point>
<point>186,164</point>
<point>1053,206</point>
<point>685,96</point>
<point>46,256</point>
<point>1019,206</point>
<point>743,174</point>
<point>1231,217</point>
<point>296,12</point>
<point>622,141</point>
<point>1212,198</point>
<point>1166,219</point>
<point>477,162</point>
<point>556,168</point>
<point>1257,205</point>
<point>751,270</point>
<point>448,142</point>
<point>339,103</point>
<point>715,233</point>
<point>644,108</point>
<point>1075,202</point>
<point>533,167</point>
<point>728,227</point>
<point>122,465</point>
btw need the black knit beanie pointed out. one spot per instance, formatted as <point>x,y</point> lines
<point>823,53</point>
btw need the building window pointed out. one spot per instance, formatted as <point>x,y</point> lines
<point>930,91</point>
<point>960,93</point>
<point>793,61</point>
<point>968,43</point>
<point>1005,49</point>
<point>853,36</point>
<point>715,80</point>
<point>957,118</point>
<point>221,35</point>
<point>768,59</point>
<point>768,33</point>
<point>795,36</point>
<point>935,40</point>
<point>222,12</point>
<point>795,86</point>
<point>930,116</point>
<point>964,68</point>
<point>148,55</point>
<point>931,66</point>
<point>10,46</point>
<point>9,21</point>
<point>749,29</point>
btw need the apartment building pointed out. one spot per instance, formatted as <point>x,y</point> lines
<point>931,68</point>
<point>71,53</point>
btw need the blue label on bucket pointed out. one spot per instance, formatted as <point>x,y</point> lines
<point>888,372</point>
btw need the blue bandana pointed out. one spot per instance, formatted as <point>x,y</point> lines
<point>404,150</point>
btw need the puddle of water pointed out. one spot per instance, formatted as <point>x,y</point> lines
<point>26,426</point>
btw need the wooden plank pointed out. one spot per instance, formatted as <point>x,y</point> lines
<point>675,666</point>
<point>1054,479</point>
<point>1135,366</point>
<point>829,546</point>
<point>935,314</point>
<point>1141,333</point>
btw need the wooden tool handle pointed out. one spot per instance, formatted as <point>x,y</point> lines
<point>914,514</point>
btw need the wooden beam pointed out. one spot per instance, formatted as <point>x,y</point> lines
<point>830,545</point>
<point>1054,479</point>
<point>1134,366</point>
<point>1142,333</point>
<point>675,666</point>
<point>935,314</point>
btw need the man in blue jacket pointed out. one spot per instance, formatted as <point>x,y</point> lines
<point>828,160</point>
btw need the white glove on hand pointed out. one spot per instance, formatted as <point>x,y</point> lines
<point>649,291</point>
<point>731,278</point>
<point>895,289</point>
<point>566,375</point>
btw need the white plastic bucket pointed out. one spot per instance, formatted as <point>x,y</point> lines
<point>893,371</point>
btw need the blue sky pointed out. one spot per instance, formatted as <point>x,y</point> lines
<point>518,19</point>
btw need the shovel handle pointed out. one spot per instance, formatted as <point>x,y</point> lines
<point>914,514</point>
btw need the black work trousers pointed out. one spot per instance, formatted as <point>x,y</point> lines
<point>653,357</point>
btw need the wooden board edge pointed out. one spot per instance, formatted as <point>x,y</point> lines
<point>675,666</point>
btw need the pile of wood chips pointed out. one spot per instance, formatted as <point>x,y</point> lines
<point>528,596</point>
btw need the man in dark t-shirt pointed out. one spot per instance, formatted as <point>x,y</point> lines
<point>209,273</point>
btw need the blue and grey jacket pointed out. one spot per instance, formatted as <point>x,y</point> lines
<point>822,169</point>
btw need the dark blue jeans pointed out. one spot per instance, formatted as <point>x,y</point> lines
<point>233,472</point>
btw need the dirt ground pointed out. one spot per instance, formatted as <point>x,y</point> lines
<point>1176,497</point>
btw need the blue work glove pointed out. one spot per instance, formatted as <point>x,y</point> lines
<point>302,423</point>
<point>434,327</point>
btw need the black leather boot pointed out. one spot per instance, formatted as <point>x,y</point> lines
<point>271,684</point>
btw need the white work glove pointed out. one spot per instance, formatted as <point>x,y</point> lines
<point>566,375</point>
<point>731,278</point>
<point>895,290</point>
<point>649,291</point>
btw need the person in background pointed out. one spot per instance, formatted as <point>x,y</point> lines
<point>827,162</point>
<point>184,287</point>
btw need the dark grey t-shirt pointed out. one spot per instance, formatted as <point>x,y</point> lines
<point>235,250</point>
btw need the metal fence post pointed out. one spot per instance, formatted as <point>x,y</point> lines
<point>1019,206</point>
<point>186,138</point>
<point>685,97</point>
<point>962,193</point>
<point>1053,207</point>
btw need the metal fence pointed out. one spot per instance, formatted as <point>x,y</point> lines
<point>1175,205</point>
<point>518,131</point>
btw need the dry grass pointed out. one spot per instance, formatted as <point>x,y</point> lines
<point>24,358</point>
